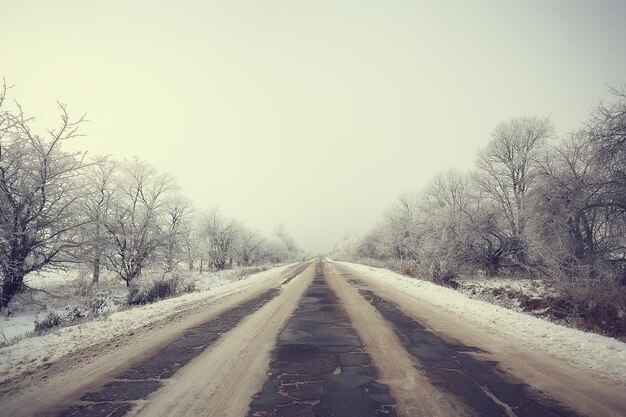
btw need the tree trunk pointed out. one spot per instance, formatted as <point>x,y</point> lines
<point>13,284</point>
<point>96,270</point>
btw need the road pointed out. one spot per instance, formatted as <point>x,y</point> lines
<point>316,340</point>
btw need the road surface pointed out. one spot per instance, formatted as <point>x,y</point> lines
<point>315,340</point>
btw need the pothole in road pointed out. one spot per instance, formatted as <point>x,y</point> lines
<point>318,367</point>
<point>115,398</point>
<point>451,368</point>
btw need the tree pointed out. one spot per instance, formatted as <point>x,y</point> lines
<point>220,236</point>
<point>508,173</point>
<point>175,230</point>
<point>290,251</point>
<point>447,211</point>
<point>99,194</point>
<point>346,247</point>
<point>192,242</point>
<point>136,221</point>
<point>401,228</point>
<point>580,210</point>
<point>250,248</point>
<point>373,245</point>
<point>39,194</point>
<point>606,131</point>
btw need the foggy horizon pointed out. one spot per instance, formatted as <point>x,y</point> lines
<point>313,117</point>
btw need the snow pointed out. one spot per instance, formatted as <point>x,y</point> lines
<point>589,351</point>
<point>505,292</point>
<point>58,292</point>
<point>31,352</point>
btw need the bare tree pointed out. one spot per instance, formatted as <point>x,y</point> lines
<point>448,215</point>
<point>607,133</point>
<point>401,224</point>
<point>508,173</point>
<point>250,248</point>
<point>293,251</point>
<point>220,236</point>
<point>192,247</point>
<point>175,230</point>
<point>373,245</point>
<point>96,206</point>
<point>581,215</point>
<point>135,224</point>
<point>39,191</point>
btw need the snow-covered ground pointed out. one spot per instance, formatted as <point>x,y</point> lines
<point>70,294</point>
<point>31,352</point>
<point>56,292</point>
<point>506,292</point>
<point>589,351</point>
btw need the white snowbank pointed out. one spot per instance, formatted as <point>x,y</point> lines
<point>31,352</point>
<point>589,351</point>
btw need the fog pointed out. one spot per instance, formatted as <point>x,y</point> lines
<point>310,115</point>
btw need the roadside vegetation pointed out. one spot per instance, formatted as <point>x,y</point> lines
<point>539,207</point>
<point>69,211</point>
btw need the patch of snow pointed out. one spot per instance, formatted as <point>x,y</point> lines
<point>589,351</point>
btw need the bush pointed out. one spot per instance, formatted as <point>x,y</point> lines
<point>73,314</point>
<point>149,293</point>
<point>100,304</point>
<point>597,304</point>
<point>51,321</point>
<point>146,290</point>
<point>241,273</point>
<point>83,286</point>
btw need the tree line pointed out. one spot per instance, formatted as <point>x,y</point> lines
<point>534,205</point>
<point>60,209</point>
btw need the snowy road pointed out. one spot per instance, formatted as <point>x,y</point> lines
<point>319,339</point>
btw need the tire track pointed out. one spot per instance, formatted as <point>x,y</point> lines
<point>414,394</point>
<point>319,366</point>
<point>221,381</point>
<point>451,368</point>
<point>116,398</point>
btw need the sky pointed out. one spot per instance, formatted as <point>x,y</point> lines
<point>313,115</point>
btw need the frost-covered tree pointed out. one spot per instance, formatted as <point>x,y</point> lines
<point>39,194</point>
<point>285,247</point>
<point>175,229</point>
<point>580,227</point>
<point>401,228</point>
<point>447,211</point>
<point>95,209</point>
<point>251,247</point>
<point>136,224</point>
<point>346,247</point>
<point>220,238</point>
<point>508,172</point>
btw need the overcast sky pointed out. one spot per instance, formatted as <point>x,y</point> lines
<point>313,114</point>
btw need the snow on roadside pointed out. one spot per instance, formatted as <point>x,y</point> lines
<point>29,353</point>
<point>508,292</point>
<point>58,292</point>
<point>589,351</point>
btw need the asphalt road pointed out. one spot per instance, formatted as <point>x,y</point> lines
<point>317,341</point>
